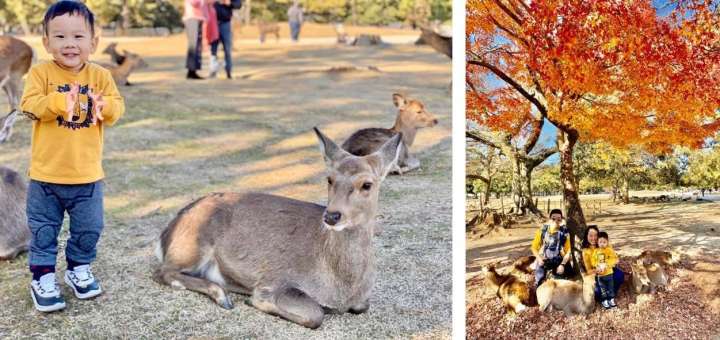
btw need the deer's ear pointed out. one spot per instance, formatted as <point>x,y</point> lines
<point>330,151</point>
<point>387,155</point>
<point>399,100</point>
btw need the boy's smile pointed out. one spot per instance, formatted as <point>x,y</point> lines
<point>70,41</point>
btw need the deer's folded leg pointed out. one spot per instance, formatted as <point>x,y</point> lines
<point>290,304</point>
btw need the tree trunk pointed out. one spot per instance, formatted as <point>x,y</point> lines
<point>486,194</point>
<point>247,10</point>
<point>125,21</point>
<point>527,192</point>
<point>571,200</point>
<point>517,187</point>
<point>353,12</point>
<point>626,190</point>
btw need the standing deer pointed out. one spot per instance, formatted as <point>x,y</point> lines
<point>411,116</point>
<point>297,260</point>
<point>15,59</point>
<point>267,28</point>
<point>14,230</point>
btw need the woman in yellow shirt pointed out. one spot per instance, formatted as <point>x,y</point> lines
<point>589,244</point>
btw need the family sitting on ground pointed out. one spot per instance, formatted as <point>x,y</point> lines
<point>551,247</point>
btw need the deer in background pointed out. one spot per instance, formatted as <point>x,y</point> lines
<point>16,57</point>
<point>14,230</point>
<point>266,28</point>
<point>125,63</point>
<point>411,116</point>
<point>297,260</point>
<point>116,57</point>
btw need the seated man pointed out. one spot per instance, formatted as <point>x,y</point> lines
<point>551,248</point>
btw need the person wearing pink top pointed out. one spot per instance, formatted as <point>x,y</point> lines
<point>196,13</point>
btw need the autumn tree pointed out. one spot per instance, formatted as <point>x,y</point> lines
<point>613,71</point>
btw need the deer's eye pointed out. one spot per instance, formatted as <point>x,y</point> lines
<point>366,186</point>
<point>330,181</point>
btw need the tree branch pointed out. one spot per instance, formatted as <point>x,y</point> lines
<point>500,74</point>
<point>507,11</point>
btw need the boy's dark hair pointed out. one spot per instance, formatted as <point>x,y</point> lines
<point>556,211</point>
<point>69,6</point>
<point>602,234</point>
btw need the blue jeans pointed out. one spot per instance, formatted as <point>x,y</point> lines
<point>607,287</point>
<point>295,30</point>
<point>550,265</point>
<point>46,207</point>
<point>226,39</point>
<point>618,279</point>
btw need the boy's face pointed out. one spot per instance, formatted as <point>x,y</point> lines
<point>69,41</point>
<point>602,242</point>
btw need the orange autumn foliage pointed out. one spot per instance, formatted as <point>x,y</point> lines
<point>611,70</point>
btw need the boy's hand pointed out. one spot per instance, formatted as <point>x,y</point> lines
<point>98,105</point>
<point>71,99</point>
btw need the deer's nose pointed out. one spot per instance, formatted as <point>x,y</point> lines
<point>332,217</point>
<point>435,121</point>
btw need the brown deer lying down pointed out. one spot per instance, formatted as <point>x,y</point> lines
<point>15,59</point>
<point>647,276</point>
<point>120,73</point>
<point>14,230</point>
<point>569,296</point>
<point>514,292</point>
<point>411,116</point>
<point>116,57</point>
<point>297,260</point>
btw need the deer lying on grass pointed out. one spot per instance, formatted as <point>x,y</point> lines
<point>14,231</point>
<point>569,296</point>
<point>296,260</point>
<point>120,73</point>
<point>15,59</point>
<point>411,116</point>
<point>514,292</point>
<point>647,276</point>
<point>266,28</point>
<point>116,57</point>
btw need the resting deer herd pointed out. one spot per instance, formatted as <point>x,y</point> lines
<point>572,297</point>
<point>309,261</point>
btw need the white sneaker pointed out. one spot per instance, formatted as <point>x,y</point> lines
<point>83,283</point>
<point>46,294</point>
<point>214,66</point>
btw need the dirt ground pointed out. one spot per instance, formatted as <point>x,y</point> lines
<point>688,308</point>
<point>180,140</point>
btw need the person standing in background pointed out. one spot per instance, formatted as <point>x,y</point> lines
<point>194,16</point>
<point>224,14</point>
<point>295,19</point>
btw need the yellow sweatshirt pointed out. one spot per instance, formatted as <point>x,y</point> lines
<point>68,152</point>
<point>603,255</point>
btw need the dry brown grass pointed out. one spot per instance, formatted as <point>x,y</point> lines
<point>181,139</point>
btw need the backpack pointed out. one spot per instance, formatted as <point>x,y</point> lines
<point>562,236</point>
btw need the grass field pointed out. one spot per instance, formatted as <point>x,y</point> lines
<point>180,140</point>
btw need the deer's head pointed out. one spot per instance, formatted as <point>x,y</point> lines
<point>412,112</point>
<point>354,182</point>
<point>110,49</point>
